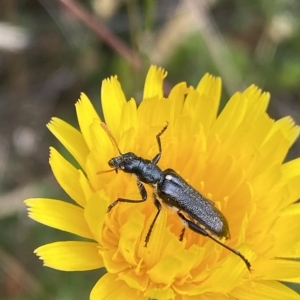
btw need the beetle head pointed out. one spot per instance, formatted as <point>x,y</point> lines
<point>127,162</point>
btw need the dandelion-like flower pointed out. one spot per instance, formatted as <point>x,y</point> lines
<point>235,159</point>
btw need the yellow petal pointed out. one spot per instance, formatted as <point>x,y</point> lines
<point>59,215</point>
<point>70,256</point>
<point>278,269</point>
<point>128,119</point>
<point>128,140</point>
<point>193,99</point>
<point>237,270</point>
<point>218,297</point>
<point>136,281</point>
<point>152,253</point>
<point>109,287</point>
<point>267,179</point>
<point>94,213</point>
<point>209,296</point>
<point>190,259</point>
<point>176,97</point>
<point>274,141</point>
<point>154,82</point>
<point>97,181</point>
<point>284,235</point>
<point>293,209</point>
<point>258,102</point>
<point>209,89</point>
<point>85,185</point>
<point>158,117</point>
<point>211,86</point>
<point>86,115</point>
<point>157,293</point>
<point>294,280</point>
<point>71,138</point>
<point>158,274</point>
<point>113,99</point>
<point>67,176</point>
<point>231,116</point>
<point>291,177</point>
<point>114,264</point>
<point>103,147</point>
<point>286,126</point>
<point>264,290</point>
<point>130,236</point>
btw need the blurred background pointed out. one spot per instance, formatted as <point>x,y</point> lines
<point>51,50</point>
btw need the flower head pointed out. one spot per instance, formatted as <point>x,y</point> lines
<point>235,159</point>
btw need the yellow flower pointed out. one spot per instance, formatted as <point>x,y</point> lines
<point>235,159</point>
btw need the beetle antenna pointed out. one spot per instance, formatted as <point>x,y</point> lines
<point>107,171</point>
<point>108,132</point>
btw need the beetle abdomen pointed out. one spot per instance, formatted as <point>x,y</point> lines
<point>175,191</point>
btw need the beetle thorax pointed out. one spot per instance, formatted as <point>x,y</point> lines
<point>149,172</point>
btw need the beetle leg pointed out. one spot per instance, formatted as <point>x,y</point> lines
<point>182,234</point>
<point>158,206</point>
<point>142,191</point>
<point>193,226</point>
<point>158,155</point>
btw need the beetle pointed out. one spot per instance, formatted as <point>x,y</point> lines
<point>196,211</point>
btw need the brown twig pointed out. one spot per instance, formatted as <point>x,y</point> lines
<point>93,23</point>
